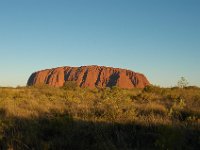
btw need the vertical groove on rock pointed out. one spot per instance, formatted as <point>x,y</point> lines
<point>113,79</point>
<point>84,78</point>
<point>67,74</point>
<point>49,77</point>
<point>99,77</point>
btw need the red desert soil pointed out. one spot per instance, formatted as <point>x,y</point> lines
<point>89,76</point>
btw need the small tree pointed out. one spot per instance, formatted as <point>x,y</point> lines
<point>182,83</point>
<point>70,85</point>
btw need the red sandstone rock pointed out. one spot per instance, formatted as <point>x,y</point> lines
<point>89,76</point>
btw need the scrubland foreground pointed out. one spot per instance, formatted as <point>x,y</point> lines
<point>100,119</point>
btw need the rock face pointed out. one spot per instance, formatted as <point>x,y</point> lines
<point>89,76</point>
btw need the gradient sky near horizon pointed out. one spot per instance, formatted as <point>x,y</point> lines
<point>160,38</point>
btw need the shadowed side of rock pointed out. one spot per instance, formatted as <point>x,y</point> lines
<point>89,76</point>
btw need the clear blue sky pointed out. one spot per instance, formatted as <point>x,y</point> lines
<point>160,38</point>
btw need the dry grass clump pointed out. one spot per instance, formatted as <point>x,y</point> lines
<point>152,108</point>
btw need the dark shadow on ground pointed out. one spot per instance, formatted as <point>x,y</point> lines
<point>60,131</point>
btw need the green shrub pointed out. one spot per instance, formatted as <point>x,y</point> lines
<point>70,85</point>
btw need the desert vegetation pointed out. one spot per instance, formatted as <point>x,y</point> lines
<point>42,117</point>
